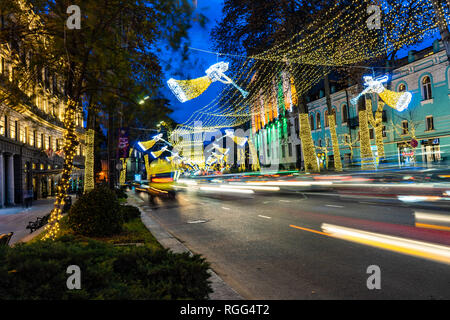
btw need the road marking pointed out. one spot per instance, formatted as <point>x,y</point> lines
<point>266,202</point>
<point>197,221</point>
<point>285,200</point>
<point>225,208</point>
<point>333,206</point>
<point>309,230</point>
<point>369,203</point>
<point>265,217</point>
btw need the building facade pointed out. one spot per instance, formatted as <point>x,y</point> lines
<point>31,136</point>
<point>426,74</point>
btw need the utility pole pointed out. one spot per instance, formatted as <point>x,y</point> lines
<point>443,28</point>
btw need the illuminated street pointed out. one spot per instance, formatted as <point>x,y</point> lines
<point>272,245</point>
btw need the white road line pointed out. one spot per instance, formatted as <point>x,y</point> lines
<point>265,217</point>
<point>285,200</point>
<point>225,208</point>
<point>333,206</point>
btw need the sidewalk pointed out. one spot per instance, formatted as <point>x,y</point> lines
<point>16,219</point>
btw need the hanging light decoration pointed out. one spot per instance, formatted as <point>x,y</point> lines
<point>186,90</point>
<point>396,100</point>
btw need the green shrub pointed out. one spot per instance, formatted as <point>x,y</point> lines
<point>38,271</point>
<point>129,212</point>
<point>96,213</point>
<point>120,192</point>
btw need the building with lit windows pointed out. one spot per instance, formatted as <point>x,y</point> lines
<point>31,136</point>
<point>426,75</point>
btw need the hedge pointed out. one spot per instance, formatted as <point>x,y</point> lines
<point>38,271</point>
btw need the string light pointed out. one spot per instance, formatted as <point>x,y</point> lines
<point>335,143</point>
<point>308,149</point>
<point>70,143</point>
<point>366,150</point>
<point>89,182</point>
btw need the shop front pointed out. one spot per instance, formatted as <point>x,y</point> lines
<point>431,151</point>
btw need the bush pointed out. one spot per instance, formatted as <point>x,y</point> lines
<point>120,192</point>
<point>38,271</point>
<point>96,213</point>
<point>129,212</point>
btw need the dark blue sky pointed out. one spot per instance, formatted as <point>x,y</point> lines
<point>198,62</point>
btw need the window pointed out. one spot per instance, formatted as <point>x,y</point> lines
<point>57,145</point>
<point>404,127</point>
<point>426,88</point>
<point>371,133</point>
<point>311,122</point>
<point>22,134</point>
<point>402,87</point>
<point>16,130</point>
<point>283,151</point>
<point>49,142</point>
<point>2,125</point>
<point>41,141</point>
<point>383,132</point>
<point>12,131</point>
<point>290,149</point>
<point>297,125</point>
<point>318,125</point>
<point>320,142</point>
<point>326,119</point>
<point>429,123</point>
<point>32,138</point>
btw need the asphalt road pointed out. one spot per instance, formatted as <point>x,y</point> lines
<point>273,247</point>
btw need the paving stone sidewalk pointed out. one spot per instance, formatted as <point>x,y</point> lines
<point>15,219</point>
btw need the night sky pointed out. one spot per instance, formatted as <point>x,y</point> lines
<point>198,62</point>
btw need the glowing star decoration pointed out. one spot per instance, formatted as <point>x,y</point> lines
<point>396,100</point>
<point>186,90</point>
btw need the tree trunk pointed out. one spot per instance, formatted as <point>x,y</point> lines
<point>366,151</point>
<point>308,149</point>
<point>332,126</point>
<point>70,143</point>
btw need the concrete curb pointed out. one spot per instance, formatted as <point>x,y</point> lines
<point>221,291</point>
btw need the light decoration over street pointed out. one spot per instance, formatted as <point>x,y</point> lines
<point>396,100</point>
<point>186,90</point>
<point>146,145</point>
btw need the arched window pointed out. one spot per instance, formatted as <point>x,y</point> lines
<point>320,142</point>
<point>426,88</point>
<point>334,114</point>
<point>402,87</point>
<point>344,114</point>
<point>318,126</point>
<point>326,119</point>
<point>311,122</point>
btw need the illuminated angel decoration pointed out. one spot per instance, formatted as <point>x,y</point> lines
<point>186,90</point>
<point>396,100</point>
